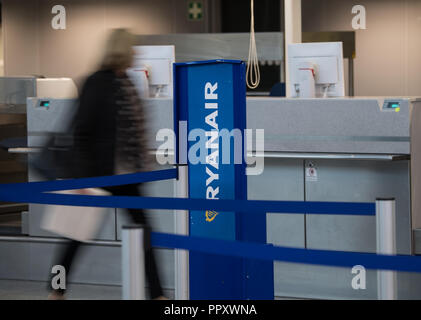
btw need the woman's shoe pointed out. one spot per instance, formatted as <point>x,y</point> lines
<point>56,296</point>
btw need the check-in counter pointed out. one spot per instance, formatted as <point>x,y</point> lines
<point>355,149</point>
<point>358,149</point>
<point>345,149</point>
<point>348,149</point>
<point>13,93</point>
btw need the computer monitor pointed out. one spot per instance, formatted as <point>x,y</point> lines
<point>316,70</point>
<point>152,71</point>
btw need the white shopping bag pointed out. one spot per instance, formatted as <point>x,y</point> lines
<point>78,223</point>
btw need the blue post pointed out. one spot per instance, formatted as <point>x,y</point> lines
<point>211,96</point>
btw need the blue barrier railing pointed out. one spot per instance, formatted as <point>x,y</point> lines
<point>36,192</point>
<point>286,254</point>
<point>250,206</point>
<point>95,182</point>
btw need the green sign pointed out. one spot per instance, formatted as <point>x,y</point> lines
<point>195,10</point>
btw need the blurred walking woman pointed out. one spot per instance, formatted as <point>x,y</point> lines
<point>109,138</point>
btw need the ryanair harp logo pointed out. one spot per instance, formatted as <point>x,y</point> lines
<point>210,215</point>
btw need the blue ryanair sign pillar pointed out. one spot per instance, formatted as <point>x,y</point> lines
<point>209,103</point>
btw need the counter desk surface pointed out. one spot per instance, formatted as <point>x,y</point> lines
<point>357,125</point>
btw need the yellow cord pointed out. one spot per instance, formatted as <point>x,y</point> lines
<point>253,70</point>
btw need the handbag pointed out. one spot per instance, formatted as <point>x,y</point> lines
<point>77,223</point>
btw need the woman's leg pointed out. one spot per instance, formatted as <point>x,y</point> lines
<point>138,217</point>
<point>66,259</point>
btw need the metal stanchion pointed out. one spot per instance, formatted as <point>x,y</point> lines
<point>386,244</point>
<point>182,227</point>
<point>133,266</point>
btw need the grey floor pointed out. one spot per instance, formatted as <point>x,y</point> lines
<point>35,290</point>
